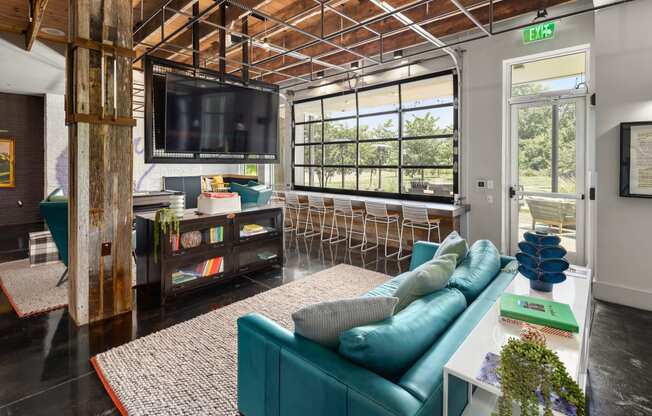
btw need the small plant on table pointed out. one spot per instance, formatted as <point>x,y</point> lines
<point>529,372</point>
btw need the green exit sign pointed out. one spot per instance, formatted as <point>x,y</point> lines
<point>536,33</point>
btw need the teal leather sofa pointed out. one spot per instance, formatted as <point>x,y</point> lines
<point>283,374</point>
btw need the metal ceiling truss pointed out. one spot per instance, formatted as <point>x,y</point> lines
<point>260,40</point>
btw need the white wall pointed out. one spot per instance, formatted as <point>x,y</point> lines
<point>38,72</point>
<point>482,105</point>
<point>623,57</point>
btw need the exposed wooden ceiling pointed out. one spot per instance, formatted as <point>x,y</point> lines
<point>289,25</point>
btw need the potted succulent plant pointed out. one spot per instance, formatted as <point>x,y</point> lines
<point>165,222</point>
<point>530,373</point>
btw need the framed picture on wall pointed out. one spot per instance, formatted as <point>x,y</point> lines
<point>636,159</point>
<point>7,159</point>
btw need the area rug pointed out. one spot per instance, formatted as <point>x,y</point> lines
<point>191,368</point>
<point>33,290</point>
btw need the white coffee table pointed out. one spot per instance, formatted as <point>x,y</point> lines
<point>490,334</point>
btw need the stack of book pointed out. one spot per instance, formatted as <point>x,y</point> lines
<point>206,268</point>
<point>550,317</point>
<point>252,229</point>
<point>216,235</point>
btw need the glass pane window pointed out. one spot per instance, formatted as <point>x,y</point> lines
<point>429,182</point>
<point>427,92</point>
<point>308,111</point>
<point>307,155</point>
<point>340,130</point>
<point>340,178</point>
<point>307,133</point>
<point>428,152</point>
<point>378,100</point>
<point>307,176</point>
<point>378,127</point>
<point>379,153</point>
<point>561,73</point>
<point>547,156</point>
<point>339,154</point>
<point>340,106</point>
<point>378,180</point>
<point>429,122</point>
<point>389,139</point>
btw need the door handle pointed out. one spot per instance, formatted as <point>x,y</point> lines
<point>512,192</point>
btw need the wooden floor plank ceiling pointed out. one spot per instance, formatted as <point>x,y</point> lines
<point>269,38</point>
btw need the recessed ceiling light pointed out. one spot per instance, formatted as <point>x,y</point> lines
<point>355,65</point>
<point>320,74</point>
<point>52,31</point>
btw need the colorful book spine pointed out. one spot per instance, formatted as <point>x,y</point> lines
<point>210,267</point>
<point>216,234</point>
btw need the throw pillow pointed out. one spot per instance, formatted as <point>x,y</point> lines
<point>453,244</point>
<point>323,322</point>
<point>425,279</point>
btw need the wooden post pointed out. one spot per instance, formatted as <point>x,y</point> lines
<point>99,115</point>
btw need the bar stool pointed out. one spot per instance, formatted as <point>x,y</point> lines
<point>344,209</point>
<point>417,217</point>
<point>317,206</point>
<point>292,204</point>
<point>377,214</point>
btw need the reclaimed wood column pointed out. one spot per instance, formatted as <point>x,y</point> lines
<point>99,117</point>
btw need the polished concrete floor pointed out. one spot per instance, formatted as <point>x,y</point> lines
<point>45,368</point>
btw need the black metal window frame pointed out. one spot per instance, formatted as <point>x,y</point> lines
<point>454,166</point>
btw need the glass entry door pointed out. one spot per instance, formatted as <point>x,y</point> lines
<point>547,172</point>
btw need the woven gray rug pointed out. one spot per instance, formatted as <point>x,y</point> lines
<point>191,368</point>
<point>33,290</point>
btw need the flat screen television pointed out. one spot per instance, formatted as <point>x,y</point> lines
<point>204,116</point>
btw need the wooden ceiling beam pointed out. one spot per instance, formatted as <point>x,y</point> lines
<point>36,18</point>
<point>504,10</point>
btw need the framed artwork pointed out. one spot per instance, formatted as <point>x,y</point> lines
<point>636,159</point>
<point>7,160</point>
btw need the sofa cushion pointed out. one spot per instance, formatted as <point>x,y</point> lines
<point>392,346</point>
<point>425,279</point>
<point>453,244</point>
<point>425,377</point>
<point>478,269</point>
<point>323,322</point>
<point>389,287</point>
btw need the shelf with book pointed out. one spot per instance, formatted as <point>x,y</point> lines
<point>195,240</point>
<point>209,249</point>
<point>198,271</point>
<point>249,227</point>
<point>258,254</point>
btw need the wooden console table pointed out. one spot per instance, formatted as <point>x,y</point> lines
<point>210,249</point>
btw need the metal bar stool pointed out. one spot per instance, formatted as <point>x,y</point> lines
<point>417,217</point>
<point>342,208</point>
<point>377,214</point>
<point>316,205</point>
<point>292,204</point>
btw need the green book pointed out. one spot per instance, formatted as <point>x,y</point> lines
<point>538,311</point>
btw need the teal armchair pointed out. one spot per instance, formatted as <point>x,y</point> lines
<point>55,212</point>
<point>252,192</point>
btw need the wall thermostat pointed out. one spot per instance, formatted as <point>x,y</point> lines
<point>484,184</point>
